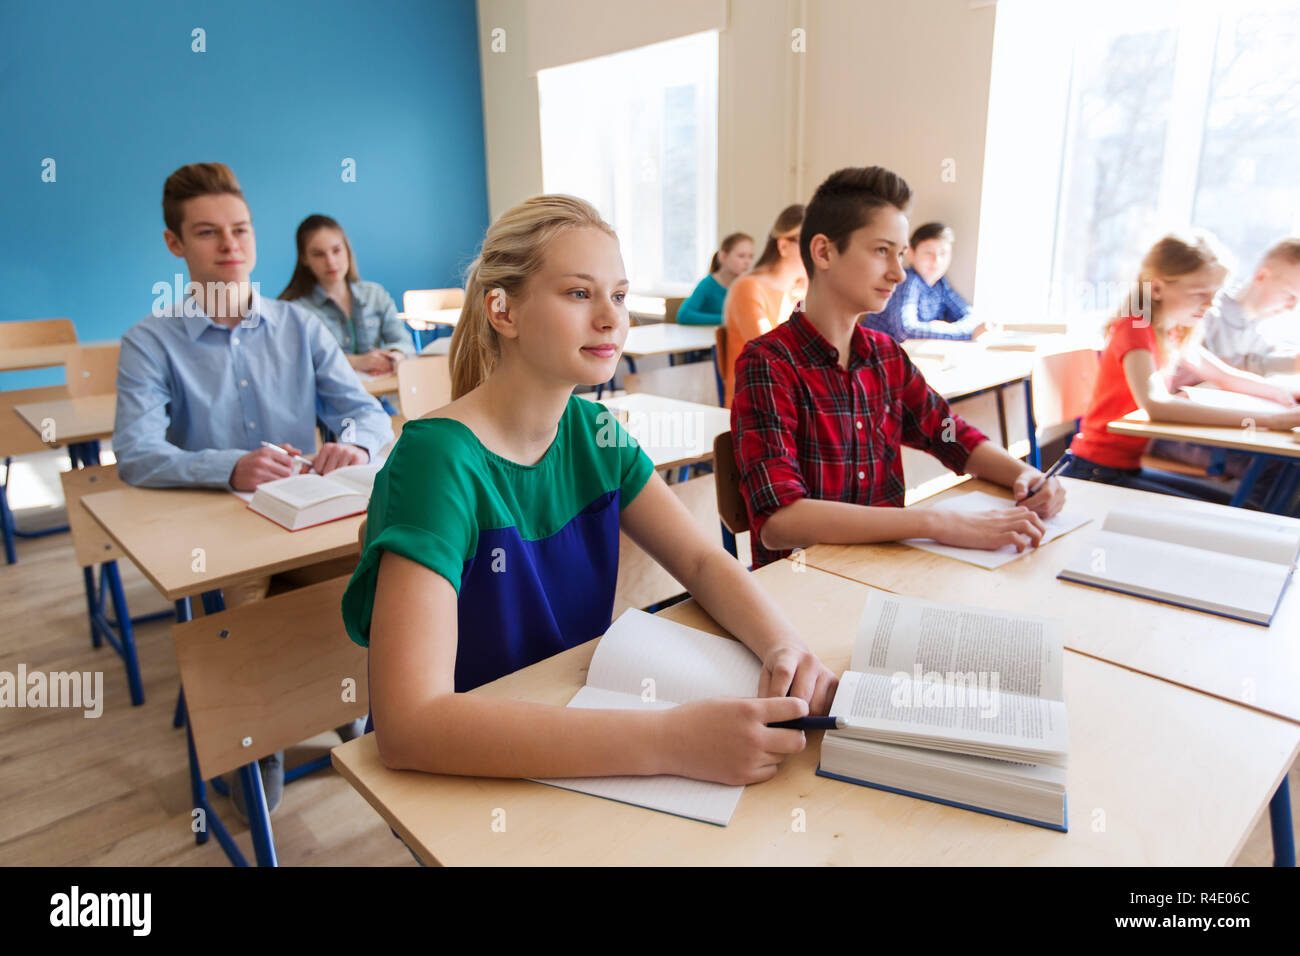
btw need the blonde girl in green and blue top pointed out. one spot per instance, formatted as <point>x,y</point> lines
<point>492,541</point>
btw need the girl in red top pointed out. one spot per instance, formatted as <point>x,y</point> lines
<point>1178,281</point>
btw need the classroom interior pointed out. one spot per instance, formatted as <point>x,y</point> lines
<point>416,126</point>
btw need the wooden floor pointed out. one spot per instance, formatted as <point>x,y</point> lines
<point>114,790</point>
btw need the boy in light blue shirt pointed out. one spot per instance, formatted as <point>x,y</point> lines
<point>202,383</point>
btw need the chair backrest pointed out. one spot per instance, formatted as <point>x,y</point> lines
<point>692,382</point>
<point>423,384</point>
<point>92,370</point>
<point>16,436</point>
<point>90,542</point>
<point>1063,385</point>
<point>266,675</point>
<point>671,305</point>
<point>719,360</point>
<point>731,505</point>
<point>431,300</point>
<point>31,332</point>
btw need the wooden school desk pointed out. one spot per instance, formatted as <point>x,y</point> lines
<point>1158,775</point>
<point>1240,662</point>
<point>160,529</point>
<point>1263,443</point>
<point>73,420</point>
<point>666,338</point>
<point>672,433</point>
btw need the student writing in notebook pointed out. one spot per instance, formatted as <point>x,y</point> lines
<point>925,305</point>
<point>732,260</point>
<point>361,315</point>
<point>493,535</point>
<point>823,405</point>
<point>763,298</point>
<point>1177,283</point>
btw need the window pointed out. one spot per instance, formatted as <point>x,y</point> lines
<point>1151,115</point>
<point>636,135</point>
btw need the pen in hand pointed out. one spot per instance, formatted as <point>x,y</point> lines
<point>1051,473</point>
<point>298,458</point>
<point>809,723</point>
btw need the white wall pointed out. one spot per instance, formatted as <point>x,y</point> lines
<point>900,83</point>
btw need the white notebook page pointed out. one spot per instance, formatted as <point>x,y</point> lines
<point>1062,523</point>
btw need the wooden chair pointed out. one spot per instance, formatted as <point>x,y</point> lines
<point>671,305</point>
<point>92,370</point>
<point>731,504</point>
<point>17,438</point>
<point>259,679</point>
<point>423,384</point>
<point>92,546</point>
<point>719,360</point>
<point>33,332</point>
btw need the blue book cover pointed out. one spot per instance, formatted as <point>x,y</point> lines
<point>1062,827</point>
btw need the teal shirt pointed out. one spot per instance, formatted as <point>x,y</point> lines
<point>532,550</point>
<point>373,323</point>
<point>704,306</point>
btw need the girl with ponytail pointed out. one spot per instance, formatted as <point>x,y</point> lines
<point>1177,282</point>
<point>493,540</point>
<point>704,306</point>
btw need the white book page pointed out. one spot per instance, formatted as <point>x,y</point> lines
<point>897,635</point>
<point>301,491</point>
<point>900,709</point>
<point>1061,523</point>
<point>697,799</point>
<point>1240,533</point>
<point>358,478</point>
<point>645,655</point>
<point>1177,571</point>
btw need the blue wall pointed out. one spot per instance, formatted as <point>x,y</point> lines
<point>285,91</point>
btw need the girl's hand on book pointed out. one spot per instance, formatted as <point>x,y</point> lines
<point>1283,421</point>
<point>792,670</point>
<point>727,738</point>
<point>991,530</point>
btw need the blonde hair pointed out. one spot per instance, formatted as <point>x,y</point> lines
<point>1175,254</point>
<point>512,253</point>
<point>1288,250</point>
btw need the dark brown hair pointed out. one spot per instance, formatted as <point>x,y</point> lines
<point>303,279</point>
<point>931,230</point>
<point>791,217</point>
<point>727,245</point>
<point>845,203</point>
<point>196,179</point>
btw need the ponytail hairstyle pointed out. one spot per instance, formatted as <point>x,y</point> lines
<point>791,218</point>
<point>512,253</point>
<point>1174,254</point>
<point>303,280</point>
<point>727,245</point>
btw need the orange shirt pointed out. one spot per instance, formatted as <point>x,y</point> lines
<point>1112,398</point>
<point>753,308</point>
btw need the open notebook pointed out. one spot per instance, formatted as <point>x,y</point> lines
<point>1057,525</point>
<point>1235,564</point>
<point>301,501</point>
<point>644,661</point>
<point>960,705</point>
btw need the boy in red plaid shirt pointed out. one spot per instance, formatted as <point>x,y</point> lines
<point>823,405</point>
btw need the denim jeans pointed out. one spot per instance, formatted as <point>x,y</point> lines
<point>1148,479</point>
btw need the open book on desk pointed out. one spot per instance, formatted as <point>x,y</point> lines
<point>301,501</point>
<point>1061,523</point>
<point>1235,564</point>
<point>959,705</point>
<point>648,662</point>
